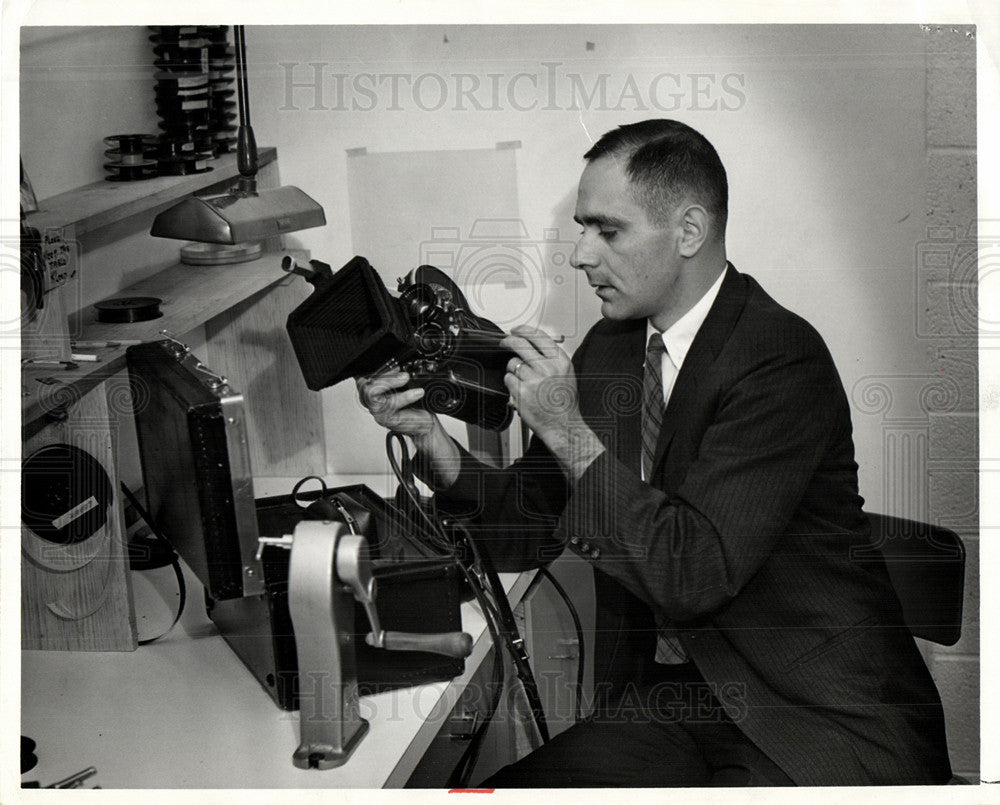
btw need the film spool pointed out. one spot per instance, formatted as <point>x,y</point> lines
<point>186,82</point>
<point>179,146</point>
<point>223,120</point>
<point>166,90</point>
<point>130,157</point>
<point>183,67</point>
<point>130,173</point>
<point>192,117</point>
<point>182,105</point>
<point>128,309</point>
<point>185,129</point>
<point>182,51</point>
<point>183,165</point>
<point>169,95</point>
<point>221,54</point>
<point>216,34</point>
<point>130,145</point>
<point>118,158</point>
<point>173,34</point>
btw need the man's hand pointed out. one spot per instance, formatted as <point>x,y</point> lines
<point>397,410</point>
<point>542,384</point>
<point>392,408</point>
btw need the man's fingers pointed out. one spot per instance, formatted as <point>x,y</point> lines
<point>539,340</point>
<point>398,401</point>
<point>391,380</point>
<point>380,385</point>
<point>521,347</point>
<point>409,397</point>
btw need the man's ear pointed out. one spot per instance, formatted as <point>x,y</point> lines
<point>694,229</point>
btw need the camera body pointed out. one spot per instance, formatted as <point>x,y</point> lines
<point>351,326</point>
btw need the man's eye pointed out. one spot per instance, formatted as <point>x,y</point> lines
<point>608,234</point>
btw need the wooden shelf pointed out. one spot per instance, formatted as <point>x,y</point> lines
<point>192,295</point>
<point>93,206</point>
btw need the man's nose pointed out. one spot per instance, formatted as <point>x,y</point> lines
<point>583,254</point>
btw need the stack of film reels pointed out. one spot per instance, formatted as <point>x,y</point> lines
<point>195,96</point>
<point>195,101</point>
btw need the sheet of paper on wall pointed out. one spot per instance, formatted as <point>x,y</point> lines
<point>456,210</point>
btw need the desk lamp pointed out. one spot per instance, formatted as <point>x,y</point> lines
<point>244,214</point>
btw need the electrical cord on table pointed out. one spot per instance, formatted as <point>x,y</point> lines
<point>482,578</point>
<point>171,558</point>
<point>544,571</point>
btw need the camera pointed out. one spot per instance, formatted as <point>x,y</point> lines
<point>521,276</point>
<point>351,326</point>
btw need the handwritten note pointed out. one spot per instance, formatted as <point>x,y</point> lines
<point>59,256</point>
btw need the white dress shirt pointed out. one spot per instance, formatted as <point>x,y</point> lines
<point>679,336</point>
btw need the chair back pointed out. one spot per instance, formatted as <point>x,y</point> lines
<point>927,566</point>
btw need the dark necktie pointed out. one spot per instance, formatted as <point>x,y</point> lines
<point>652,402</point>
<point>668,648</point>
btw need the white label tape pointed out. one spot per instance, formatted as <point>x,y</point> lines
<point>77,511</point>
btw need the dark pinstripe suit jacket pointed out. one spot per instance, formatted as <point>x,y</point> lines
<point>742,540</point>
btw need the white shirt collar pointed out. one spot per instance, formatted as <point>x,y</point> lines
<point>679,336</point>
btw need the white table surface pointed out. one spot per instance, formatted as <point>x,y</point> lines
<point>184,712</point>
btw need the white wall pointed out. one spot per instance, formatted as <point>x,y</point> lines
<point>822,131</point>
<point>79,85</point>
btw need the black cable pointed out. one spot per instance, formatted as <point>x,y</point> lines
<point>403,471</point>
<point>404,475</point>
<point>515,647</point>
<point>511,635</point>
<point>544,571</point>
<point>459,777</point>
<point>500,611</point>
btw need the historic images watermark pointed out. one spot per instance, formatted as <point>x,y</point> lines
<point>550,87</point>
<point>659,703</point>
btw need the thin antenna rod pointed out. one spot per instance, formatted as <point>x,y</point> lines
<point>246,145</point>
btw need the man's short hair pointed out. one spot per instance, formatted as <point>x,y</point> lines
<point>669,162</point>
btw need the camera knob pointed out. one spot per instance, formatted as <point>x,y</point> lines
<point>431,339</point>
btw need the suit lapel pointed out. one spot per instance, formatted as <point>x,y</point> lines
<point>705,348</point>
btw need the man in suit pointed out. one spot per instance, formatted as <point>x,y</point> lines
<point>697,450</point>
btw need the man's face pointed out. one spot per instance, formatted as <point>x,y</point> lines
<point>632,263</point>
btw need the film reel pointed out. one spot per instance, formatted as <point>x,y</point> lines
<point>128,309</point>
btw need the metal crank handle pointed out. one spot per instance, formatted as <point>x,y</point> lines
<point>450,644</point>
